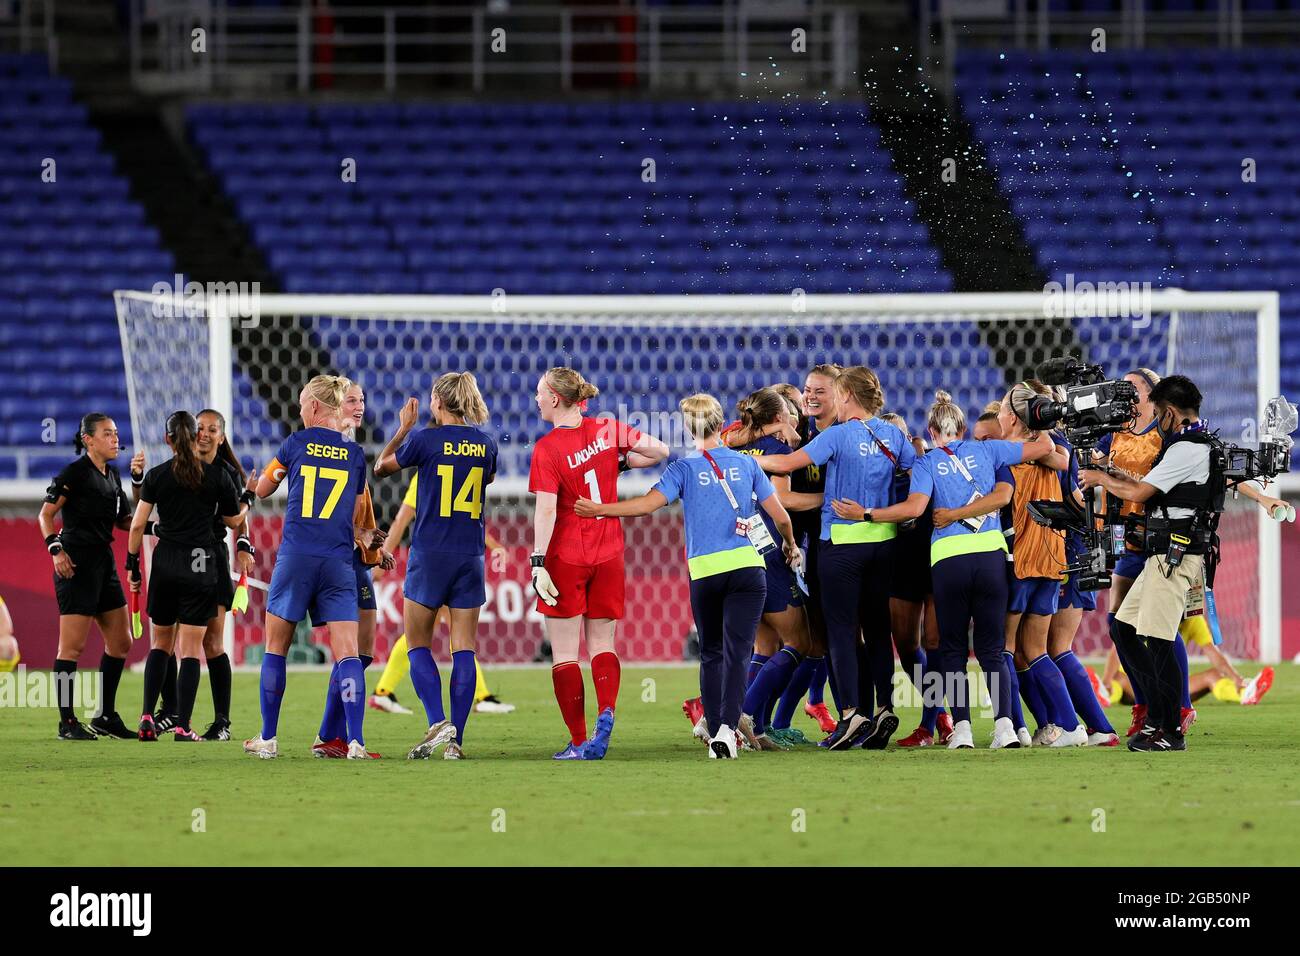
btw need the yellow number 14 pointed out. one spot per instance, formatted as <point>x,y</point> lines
<point>470,497</point>
<point>336,475</point>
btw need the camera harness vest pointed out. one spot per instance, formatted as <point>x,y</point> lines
<point>1199,534</point>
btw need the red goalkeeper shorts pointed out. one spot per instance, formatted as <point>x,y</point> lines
<point>596,591</point>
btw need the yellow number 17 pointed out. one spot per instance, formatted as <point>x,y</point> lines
<point>336,475</point>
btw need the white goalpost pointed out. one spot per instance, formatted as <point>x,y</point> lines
<point>645,353</point>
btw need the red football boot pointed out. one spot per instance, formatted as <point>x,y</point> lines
<point>1139,720</point>
<point>1186,717</point>
<point>693,709</point>
<point>918,738</point>
<point>944,727</point>
<point>335,749</point>
<point>821,714</point>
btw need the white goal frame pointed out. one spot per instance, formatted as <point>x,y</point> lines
<point>779,310</point>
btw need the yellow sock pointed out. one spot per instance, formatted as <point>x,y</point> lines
<point>394,670</point>
<point>480,687</point>
<point>1225,689</point>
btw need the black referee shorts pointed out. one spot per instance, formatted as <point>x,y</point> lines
<point>183,584</point>
<point>94,587</point>
<point>225,584</point>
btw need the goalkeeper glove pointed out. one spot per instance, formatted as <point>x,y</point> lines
<point>542,582</point>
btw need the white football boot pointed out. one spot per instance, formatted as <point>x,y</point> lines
<point>439,735</point>
<point>961,738</point>
<point>723,744</point>
<point>1077,737</point>
<point>1103,740</point>
<point>1004,735</point>
<point>1025,739</point>
<point>266,749</point>
<point>388,705</point>
<point>1045,735</point>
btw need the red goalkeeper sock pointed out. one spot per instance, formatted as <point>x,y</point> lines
<point>570,695</point>
<point>605,674</point>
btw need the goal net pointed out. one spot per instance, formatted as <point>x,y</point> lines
<point>645,353</point>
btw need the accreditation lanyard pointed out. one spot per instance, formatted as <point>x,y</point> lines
<point>753,528</point>
<point>974,524</point>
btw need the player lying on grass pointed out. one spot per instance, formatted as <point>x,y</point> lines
<point>722,493</point>
<point>313,565</point>
<point>577,561</point>
<point>385,695</point>
<point>457,460</point>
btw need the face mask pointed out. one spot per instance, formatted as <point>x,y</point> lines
<point>1164,433</point>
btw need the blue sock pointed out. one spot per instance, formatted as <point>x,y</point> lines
<point>273,681</point>
<point>1139,698</point>
<point>1080,688</point>
<point>464,678</point>
<point>338,726</point>
<point>931,690</point>
<point>800,680</point>
<point>352,693</point>
<point>1055,695</point>
<point>427,682</point>
<point>333,716</point>
<point>1033,696</point>
<point>1009,692</point>
<point>1180,655</point>
<point>817,685</point>
<point>772,679</point>
<point>756,662</point>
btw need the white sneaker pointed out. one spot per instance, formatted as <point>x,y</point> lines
<point>266,749</point>
<point>490,705</point>
<point>1004,735</point>
<point>961,738</point>
<point>439,735</point>
<point>701,731</point>
<point>1103,740</point>
<point>388,705</point>
<point>1025,739</point>
<point>1045,735</point>
<point>358,751</point>
<point>723,744</point>
<point>1077,737</point>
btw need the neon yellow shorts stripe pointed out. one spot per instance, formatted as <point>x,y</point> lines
<point>863,532</point>
<point>706,565</point>
<point>956,544</point>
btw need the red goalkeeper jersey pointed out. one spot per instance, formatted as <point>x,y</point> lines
<point>582,462</point>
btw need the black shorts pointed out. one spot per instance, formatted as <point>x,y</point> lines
<point>183,585</point>
<point>225,583</point>
<point>910,573</point>
<point>94,587</point>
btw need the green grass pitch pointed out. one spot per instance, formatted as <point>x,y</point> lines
<point>1232,798</point>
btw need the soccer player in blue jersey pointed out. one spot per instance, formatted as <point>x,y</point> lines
<point>966,556</point>
<point>313,566</point>
<point>861,455</point>
<point>330,741</point>
<point>783,638</point>
<point>457,461</point>
<point>722,492</point>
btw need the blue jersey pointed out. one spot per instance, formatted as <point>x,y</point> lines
<point>456,463</point>
<point>937,475</point>
<point>326,472</point>
<point>767,445</point>
<point>862,458</point>
<point>712,544</point>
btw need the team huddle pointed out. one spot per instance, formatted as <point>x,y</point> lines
<point>822,537</point>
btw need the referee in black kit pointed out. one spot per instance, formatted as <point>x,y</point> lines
<point>185,583</point>
<point>87,495</point>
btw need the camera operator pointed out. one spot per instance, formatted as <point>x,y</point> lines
<point>1181,500</point>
